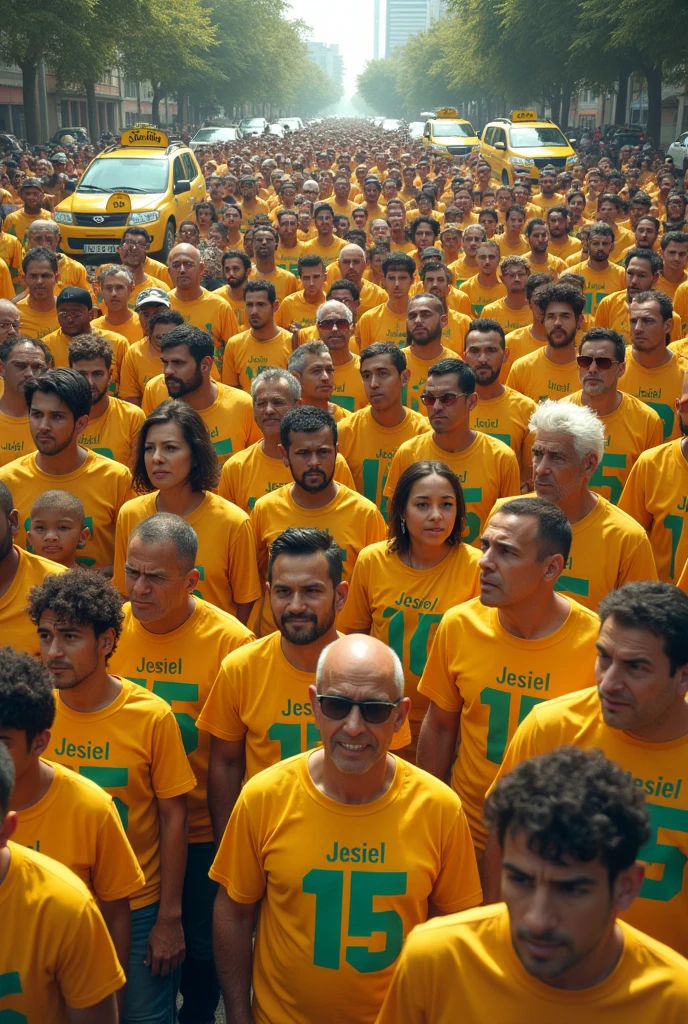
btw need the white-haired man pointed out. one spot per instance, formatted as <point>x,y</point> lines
<point>335,325</point>
<point>350,266</point>
<point>608,548</point>
<point>330,838</point>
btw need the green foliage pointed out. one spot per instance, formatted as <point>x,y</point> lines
<point>377,84</point>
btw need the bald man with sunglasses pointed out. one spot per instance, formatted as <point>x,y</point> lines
<point>327,844</point>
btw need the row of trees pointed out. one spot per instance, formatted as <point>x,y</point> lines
<point>209,52</point>
<point>500,55</point>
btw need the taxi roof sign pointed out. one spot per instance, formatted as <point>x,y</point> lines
<point>447,112</point>
<point>144,135</point>
<point>524,115</point>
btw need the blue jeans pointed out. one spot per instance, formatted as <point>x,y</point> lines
<point>199,986</point>
<point>147,1000</point>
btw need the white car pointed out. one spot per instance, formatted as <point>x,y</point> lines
<point>276,129</point>
<point>390,124</point>
<point>678,151</point>
<point>415,129</point>
<point>253,125</point>
<point>291,124</point>
<point>214,136</point>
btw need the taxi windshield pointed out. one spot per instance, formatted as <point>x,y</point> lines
<point>135,174</point>
<point>445,129</point>
<point>536,138</point>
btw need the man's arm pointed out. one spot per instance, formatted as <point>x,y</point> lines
<point>232,944</point>
<point>243,611</point>
<point>117,917</point>
<point>104,1012</point>
<point>437,741</point>
<point>226,768</point>
<point>492,870</point>
<point>166,946</point>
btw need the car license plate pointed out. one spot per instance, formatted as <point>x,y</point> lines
<point>90,248</point>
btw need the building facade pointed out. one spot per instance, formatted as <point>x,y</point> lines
<point>329,60</point>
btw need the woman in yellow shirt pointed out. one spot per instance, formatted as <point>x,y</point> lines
<point>176,455</point>
<point>400,588</point>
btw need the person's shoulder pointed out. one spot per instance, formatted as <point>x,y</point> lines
<point>237,339</point>
<point>496,447</point>
<point>144,701</point>
<point>20,468</point>
<point>213,620</point>
<point>371,314</point>
<point>229,395</point>
<point>127,410</point>
<point>440,935</point>
<point>40,567</point>
<point>581,705</point>
<point>266,503</point>
<point>413,443</point>
<point>78,791</point>
<point>416,781</point>
<point>625,522</point>
<point>653,459</point>
<point>376,553</point>
<point>241,457</point>
<point>257,652</point>
<point>638,409</point>
<point>105,467</point>
<point>348,497</point>
<point>48,880</point>
<point>468,614</point>
<point>470,282</point>
<point>278,780</point>
<point>529,359</point>
<point>212,299</point>
<point>221,509</point>
<point>48,338</point>
<point>516,398</point>
<point>652,955</point>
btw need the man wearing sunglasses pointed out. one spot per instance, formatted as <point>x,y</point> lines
<point>487,468</point>
<point>630,426</point>
<point>133,254</point>
<point>344,848</point>
<point>335,326</point>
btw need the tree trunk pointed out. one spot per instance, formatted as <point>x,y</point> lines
<point>555,103</point>
<point>29,70</point>
<point>653,76</point>
<point>92,111</point>
<point>155,105</point>
<point>565,105</point>
<point>622,96</point>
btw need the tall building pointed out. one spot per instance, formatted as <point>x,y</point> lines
<point>328,57</point>
<point>406,18</point>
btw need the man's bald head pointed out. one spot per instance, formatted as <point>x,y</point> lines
<point>352,250</point>
<point>186,251</point>
<point>364,663</point>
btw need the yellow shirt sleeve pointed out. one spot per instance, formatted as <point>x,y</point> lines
<point>6,286</point>
<point>230,374</point>
<point>436,682</point>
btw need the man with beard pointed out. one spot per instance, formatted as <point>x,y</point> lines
<point>601,277</point>
<point>75,315</point>
<point>113,425</point>
<point>263,344</point>
<point>236,270</point>
<point>501,412</point>
<point>265,239</point>
<point>326,836</point>
<point>426,320</point>
<point>187,358</point>
<point>308,447</point>
<point>59,403</point>
<point>21,359</point>
<point>37,311</point>
<point>513,310</point>
<point>630,426</point>
<point>552,371</point>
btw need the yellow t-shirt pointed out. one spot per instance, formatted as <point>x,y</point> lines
<point>537,377</point>
<point>657,768</point>
<point>58,343</point>
<point>157,270</point>
<point>482,295</point>
<point>12,252</point>
<point>157,662</point>
<point>599,283</point>
<point>210,313</point>
<point>15,624</point>
<point>554,266</point>
<point>462,272</point>
<point>139,365</point>
<point>250,474</point>
<point>133,749</point>
<point>510,319</point>
<point>681,305</point>
<point>6,285</point>
<point>351,519</point>
<point>114,434</point>
<point>229,418</point>
<point>493,678</point>
<point>411,392</point>
<point>249,211</point>
<point>521,249</point>
<point>487,469</point>
<point>507,418</point>
<point>304,855</point>
<point>295,309</point>
<point>15,438</point>
<point>656,495</point>
<point>288,259</point>
<point>381,324</point>
<point>33,323</point>
<point>613,312</point>
<point>148,282</point>
<point>245,357</point>
<point>57,951</point>
<point>455,968</point>
<point>568,247</point>
<point>608,549</point>
<point>238,307</point>
<point>369,449</point>
<point>226,557</point>
<point>658,387</point>
<point>629,430</point>
<point>623,239</point>
<point>284,281</point>
<point>669,287</point>
<point>18,222</point>
<point>454,334</point>
<point>328,254</point>
<point>131,330</point>
<point>101,484</point>
<point>348,391</point>
<point>519,343</point>
<point>76,823</point>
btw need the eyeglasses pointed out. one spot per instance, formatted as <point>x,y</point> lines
<point>372,711</point>
<point>134,245</point>
<point>601,362</point>
<point>9,325</point>
<point>446,399</point>
<point>331,325</point>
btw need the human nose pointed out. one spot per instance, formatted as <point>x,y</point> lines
<point>539,918</point>
<point>354,724</point>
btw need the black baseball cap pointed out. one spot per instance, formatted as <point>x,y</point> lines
<point>79,296</point>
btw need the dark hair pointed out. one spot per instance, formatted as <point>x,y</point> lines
<point>310,260</point>
<point>666,306</point>
<point>488,211</point>
<point>6,779</point>
<point>301,540</point>
<point>653,258</point>
<point>534,222</point>
<point>165,316</point>
<point>536,281</point>
<point>235,254</point>
<point>27,702</point>
<point>79,597</point>
<point>680,237</point>
<point>572,803</point>
<point>89,346</point>
<point>9,344</point>
<point>600,228</point>
<point>563,210</point>
<point>565,293</point>
<point>189,224</point>
<point>40,252</point>
<point>163,526</point>
<point>399,539</point>
<point>69,386</point>
<point>199,343</point>
<point>266,227</point>
<point>434,265</point>
<point>342,284</point>
<point>660,608</point>
<point>605,334</point>
<point>417,221</point>
<point>554,535</point>
<point>385,348</point>
<point>6,499</point>
<point>306,419</point>
<point>399,261</point>
<point>484,324</point>
<point>611,197</point>
<point>140,232</point>
<point>464,374</point>
<point>515,208</point>
<point>258,284</point>
<point>205,469</point>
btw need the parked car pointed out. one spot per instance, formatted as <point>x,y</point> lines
<point>79,135</point>
<point>215,136</point>
<point>450,135</point>
<point>678,151</point>
<point>415,129</point>
<point>290,124</point>
<point>253,125</point>
<point>392,124</point>
<point>276,129</point>
<point>9,145</point>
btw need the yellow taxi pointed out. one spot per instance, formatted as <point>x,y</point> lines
<point>524,142</point>
<point>144,181</point>
<point>447,134</point>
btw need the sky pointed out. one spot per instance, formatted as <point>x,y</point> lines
<point>353,32</point>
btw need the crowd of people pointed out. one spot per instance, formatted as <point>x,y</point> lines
<point>344,595</point>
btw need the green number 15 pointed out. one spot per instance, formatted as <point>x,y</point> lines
<point>328,889</point>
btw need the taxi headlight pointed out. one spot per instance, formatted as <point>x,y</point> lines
<point>62,217</point>
<point>146,217</point>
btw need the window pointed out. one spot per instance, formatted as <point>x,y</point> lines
<point>190,169</point>
<point>499,136</point>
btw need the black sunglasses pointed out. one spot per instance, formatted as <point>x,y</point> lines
<point>602,362</point>
<point>372,711</point>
